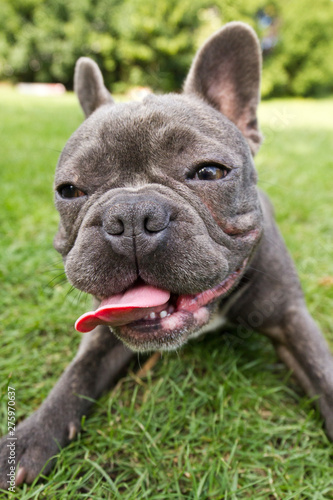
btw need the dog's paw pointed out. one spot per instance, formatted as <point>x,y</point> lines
<point>32,450</point>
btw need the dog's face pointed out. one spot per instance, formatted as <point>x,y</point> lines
<point>158,201</point>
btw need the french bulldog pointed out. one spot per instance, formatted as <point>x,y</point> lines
<point>161,221</point>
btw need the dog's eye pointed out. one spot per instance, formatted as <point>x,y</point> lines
<point>211,173</point>
<point>70,191</point>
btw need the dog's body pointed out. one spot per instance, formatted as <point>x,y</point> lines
<point>162,222</point>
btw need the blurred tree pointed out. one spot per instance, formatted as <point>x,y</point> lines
<point>134,42</point>
<point>302,61</point>
<point>149,43</point>
<point>153,43</point>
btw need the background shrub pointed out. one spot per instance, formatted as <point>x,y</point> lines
<point>152,43</point>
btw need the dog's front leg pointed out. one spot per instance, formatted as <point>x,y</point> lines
<point>99,362</point>
<point>274,305</point>
<point>302,347</point>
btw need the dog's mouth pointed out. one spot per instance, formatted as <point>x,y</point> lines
<point>144,313</point>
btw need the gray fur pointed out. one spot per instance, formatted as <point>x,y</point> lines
<point>89,86</point>
<point>144,216</point>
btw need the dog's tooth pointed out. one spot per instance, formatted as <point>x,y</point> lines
<point>152,315</point>
<point>171,309</point>
<point>163,314</point>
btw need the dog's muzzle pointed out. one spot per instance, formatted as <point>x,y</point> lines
<point>137,222</point>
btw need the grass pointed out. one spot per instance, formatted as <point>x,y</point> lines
<point>220,419</point>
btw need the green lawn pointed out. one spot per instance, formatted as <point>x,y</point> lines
<point>220,419</point>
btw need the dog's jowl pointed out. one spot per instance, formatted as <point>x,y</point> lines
<point>162,223</point>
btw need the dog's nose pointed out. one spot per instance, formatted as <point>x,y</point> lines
<point>136,216</point>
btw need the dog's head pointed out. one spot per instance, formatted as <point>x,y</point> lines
<point>158,201</point>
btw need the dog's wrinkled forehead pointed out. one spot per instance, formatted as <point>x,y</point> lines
<point>139,138</point>
<point>213,121</point>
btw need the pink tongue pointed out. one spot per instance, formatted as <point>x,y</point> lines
<point>124,308</point>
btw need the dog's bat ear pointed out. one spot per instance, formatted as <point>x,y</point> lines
<point>89,86</point>
<point>226,74</point>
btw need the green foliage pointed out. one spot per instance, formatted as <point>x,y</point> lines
<point>134,42</point>
<point>149,43</point>
<point>302,63</point>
